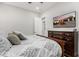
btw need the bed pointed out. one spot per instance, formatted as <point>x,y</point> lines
<point>34,46</point>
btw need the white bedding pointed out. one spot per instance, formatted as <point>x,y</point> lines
<point>35,46</point>
<point>33,38</point>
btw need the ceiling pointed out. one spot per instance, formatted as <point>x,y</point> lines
<point>34,6</point>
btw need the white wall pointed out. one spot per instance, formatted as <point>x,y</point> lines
<point>59,9</point>
<point>16,19</point>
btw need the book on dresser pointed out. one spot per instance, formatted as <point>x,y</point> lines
<point>71,41</point>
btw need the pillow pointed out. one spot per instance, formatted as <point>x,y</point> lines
<point>13,39</point>
<point>20,35</point>
<point>17,32</point>
<point>5,45</point>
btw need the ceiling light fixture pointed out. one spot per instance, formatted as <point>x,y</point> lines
<point>41,2</point>
<point>37,8</point>
<point>29,2</point>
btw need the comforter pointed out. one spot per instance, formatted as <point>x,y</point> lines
<point>35,46</point>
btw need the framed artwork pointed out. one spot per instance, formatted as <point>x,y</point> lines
<point>67,20</point>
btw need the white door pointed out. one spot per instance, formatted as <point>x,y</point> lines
<point>37,26</point>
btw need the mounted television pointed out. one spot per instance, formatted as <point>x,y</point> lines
<point>67,20</point>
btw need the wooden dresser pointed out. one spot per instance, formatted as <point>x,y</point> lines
<point>71,41</point>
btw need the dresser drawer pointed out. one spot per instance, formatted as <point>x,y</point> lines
<point>71,53</point>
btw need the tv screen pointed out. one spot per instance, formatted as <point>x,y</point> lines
<point>67,20</point>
